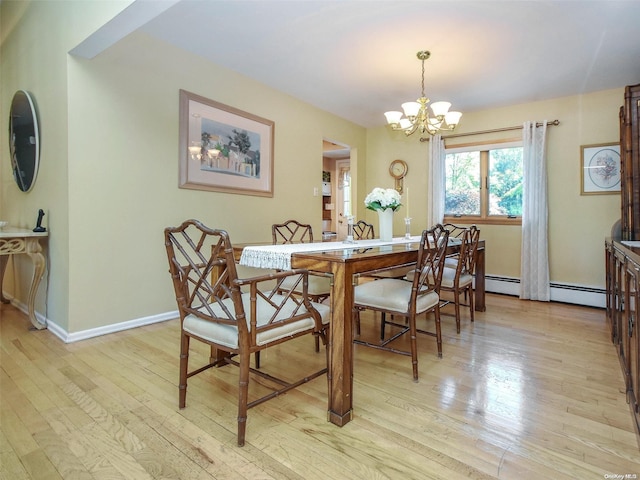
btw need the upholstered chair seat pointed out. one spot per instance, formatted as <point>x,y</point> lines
<point>227,335</point>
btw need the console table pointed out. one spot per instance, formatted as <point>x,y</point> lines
<point>14,241</point>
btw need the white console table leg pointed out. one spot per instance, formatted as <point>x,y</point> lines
<point>15,241</point>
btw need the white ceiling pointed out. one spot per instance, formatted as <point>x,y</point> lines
<point>357,58</point>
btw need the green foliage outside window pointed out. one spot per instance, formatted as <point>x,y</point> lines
<point>462,187</point>
<point>502,172</point>
<point>505,181</point>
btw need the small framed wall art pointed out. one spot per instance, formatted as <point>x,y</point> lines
<point>224,149</point>
<point>600,169</point>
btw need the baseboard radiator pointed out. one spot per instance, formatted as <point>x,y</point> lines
<point>560,292</point>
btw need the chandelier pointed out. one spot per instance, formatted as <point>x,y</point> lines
<point>417,116</point>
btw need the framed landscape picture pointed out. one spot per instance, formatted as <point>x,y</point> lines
<point>600,169</point>
<point>224,149</point>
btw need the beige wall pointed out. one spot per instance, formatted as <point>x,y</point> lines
<point>109,170</point>
<point>577,223</point>
<point>123,172</point>
<point>35,39</point>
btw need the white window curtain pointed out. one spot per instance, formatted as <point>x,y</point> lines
<point>534,268</point>
<point>436,181</point>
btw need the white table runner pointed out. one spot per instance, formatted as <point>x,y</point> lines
<point>279,256</point>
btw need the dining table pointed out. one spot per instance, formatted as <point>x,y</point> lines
<point>345,262</point>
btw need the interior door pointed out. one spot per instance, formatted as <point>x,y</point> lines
<point>343,197</point>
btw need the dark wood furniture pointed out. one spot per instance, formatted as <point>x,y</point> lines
<point>400,298</point>
<point>215,309</point>
<point>291,231</point>
<point>343,265</point>
<point>623,261</point>
<point>630,163</point>
<point>457,277</point>
<point>623,310</point>
<point>363,231</point>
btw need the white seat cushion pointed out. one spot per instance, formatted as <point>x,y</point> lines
<point>449,276</point>
<point>228,334</point>
<point>318,285</point>
<point>392,294</point>
<point>451,262</point>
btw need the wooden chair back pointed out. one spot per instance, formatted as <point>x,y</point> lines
<point>363,231</point>
<point>431,255</point>
<point>291,231</point>
<point>470,239</point>
<point>203,271</point>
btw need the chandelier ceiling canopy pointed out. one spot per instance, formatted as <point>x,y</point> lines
<point>419,116</point>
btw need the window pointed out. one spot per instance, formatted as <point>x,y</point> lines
<point>484,183</point>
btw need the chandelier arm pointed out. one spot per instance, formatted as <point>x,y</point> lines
<point>422,120</point>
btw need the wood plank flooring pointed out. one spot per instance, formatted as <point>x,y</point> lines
<point>529,391</point>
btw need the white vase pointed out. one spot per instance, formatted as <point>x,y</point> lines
<point>385,224</point>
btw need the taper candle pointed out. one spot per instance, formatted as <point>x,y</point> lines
<point>407,201</point>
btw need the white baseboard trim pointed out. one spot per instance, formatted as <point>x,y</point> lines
<point>67,337</point>
<point>565,293</point>
<point>560,292</point>
<point>118,327</point>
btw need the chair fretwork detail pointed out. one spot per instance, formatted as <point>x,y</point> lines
<point>405,299</point>
<point>459,269</point>
<point>363,231</point>
<point>291,231</point>
<point>236,316</point>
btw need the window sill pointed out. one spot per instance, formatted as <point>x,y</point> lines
<point>483,220</point>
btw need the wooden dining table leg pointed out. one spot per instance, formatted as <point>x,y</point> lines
<point>340,374</point>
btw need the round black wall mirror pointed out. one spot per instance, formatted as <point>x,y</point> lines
<point>24,140</point>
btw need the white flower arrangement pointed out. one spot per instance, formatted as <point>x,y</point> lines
<point>383,198</point>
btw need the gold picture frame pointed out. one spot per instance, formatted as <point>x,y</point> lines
<point>600,169</point>
<point>224,149</point>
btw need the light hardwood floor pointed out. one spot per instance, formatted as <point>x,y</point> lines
<point>530,391</point>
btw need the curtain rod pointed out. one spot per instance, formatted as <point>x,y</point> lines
<point>505,129</point>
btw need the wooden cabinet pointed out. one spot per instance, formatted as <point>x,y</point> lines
<point>630,163</point>
<point>622,261</point>
<point>623,310</point>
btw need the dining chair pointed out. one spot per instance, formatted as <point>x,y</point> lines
<point>459,269</point>
<point>401,298</point>
<point>235,316</point>
<point>458,273</point>
<point>363,231</point>
<point>319,285</point>
<point>291,231</point>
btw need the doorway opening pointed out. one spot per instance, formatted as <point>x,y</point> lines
<point>337,192</point>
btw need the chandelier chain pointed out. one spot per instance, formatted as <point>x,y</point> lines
<point>423,78</point>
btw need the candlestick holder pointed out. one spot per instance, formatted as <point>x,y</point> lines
<point>407,228</point>
<point>349,238</point>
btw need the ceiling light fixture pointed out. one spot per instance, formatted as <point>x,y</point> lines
<point>417,115</point>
